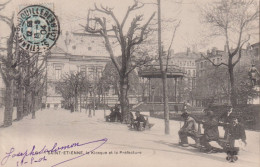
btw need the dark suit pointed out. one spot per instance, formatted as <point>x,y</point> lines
<point>139,119</point>
<point>211,132</point>
<point>236,132</point>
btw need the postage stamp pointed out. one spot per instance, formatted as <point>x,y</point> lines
<point>38,28</point>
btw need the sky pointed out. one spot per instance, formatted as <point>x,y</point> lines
<point>190,33</point>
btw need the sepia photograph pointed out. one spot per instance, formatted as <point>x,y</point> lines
<point>129,83</point>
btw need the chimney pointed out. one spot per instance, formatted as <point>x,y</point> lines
<point>188,51</point>
<point>214,51</point>
<point>225,48</point>
<point>208,52</point>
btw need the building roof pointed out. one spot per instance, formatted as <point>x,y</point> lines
<point>256,45</point>
<point>80,44</point>
<point>153,71</point>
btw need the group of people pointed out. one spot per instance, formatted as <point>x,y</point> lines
<point>139,122</point>
<point>233,130</point>
<point>116,116</point>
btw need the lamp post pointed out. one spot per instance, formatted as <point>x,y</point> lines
<point>90,92</point>
<point>153,96</point>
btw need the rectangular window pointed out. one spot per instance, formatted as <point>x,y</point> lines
<point>91,72</point>
<point>99,72</point>
<point>57,72</point>
<point>83,70</point>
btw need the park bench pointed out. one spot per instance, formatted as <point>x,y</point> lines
<point>223,142</point>
<point>147,126</point>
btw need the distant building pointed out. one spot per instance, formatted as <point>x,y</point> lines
<point>187,62</point>
<point>74,52</point>
<point>212,85</point>
<point>79,52</point>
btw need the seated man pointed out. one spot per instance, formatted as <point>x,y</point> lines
<point>211,132</point>
<point>137,122</point>
<point>236,132</point>
<point>190,128</point>
<point>112,116</point>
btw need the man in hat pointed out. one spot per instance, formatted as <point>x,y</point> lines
<point>139,118</point>
<point>211,132</point>
<point>190,128</point>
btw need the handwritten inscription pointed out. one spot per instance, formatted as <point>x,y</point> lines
<point>54,150</point>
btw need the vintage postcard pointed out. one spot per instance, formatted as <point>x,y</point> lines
<point>130,83</point>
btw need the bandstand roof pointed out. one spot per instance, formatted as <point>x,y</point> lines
<point>153,71</point>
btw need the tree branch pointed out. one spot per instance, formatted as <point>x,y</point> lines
<point>2,6</point>
<point>7,20</point>
<point>129,10</point>
<point>138,41</point>
<point>239,53</point>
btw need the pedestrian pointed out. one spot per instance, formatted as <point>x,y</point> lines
<point>236,132</point>
<point>190,128</point>
<point>211,132</point>
<point>138,120</point>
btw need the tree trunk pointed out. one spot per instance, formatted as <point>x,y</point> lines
<point>76,100</point>
<point>94,103</point>
<point>33,105</point>
<point>80,102</point>
<point>123,98</point>
<point>9,100</point>
<point>20,102</point>
<point>233,98</point>
<point>26,108</point>
<point>166,106</point>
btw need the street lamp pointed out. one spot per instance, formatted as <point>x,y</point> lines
<point>153,96</point>
<point>90,92</point>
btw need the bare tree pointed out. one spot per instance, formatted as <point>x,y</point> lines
<point>28,74</point>
<point>134,36</point>
<point>234,20</point>
<point>6,69</point>
<point>71,87</point>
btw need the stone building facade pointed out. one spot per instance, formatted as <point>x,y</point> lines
<point>76,52</point>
